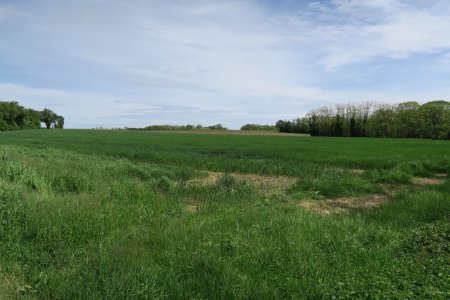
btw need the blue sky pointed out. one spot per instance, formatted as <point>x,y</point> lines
<point>133,63</point>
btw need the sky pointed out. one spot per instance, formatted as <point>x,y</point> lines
<point>114,63</point>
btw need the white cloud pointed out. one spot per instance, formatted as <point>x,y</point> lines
<point>354,31</point>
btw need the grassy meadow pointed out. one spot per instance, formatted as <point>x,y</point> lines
<point>91,214</point>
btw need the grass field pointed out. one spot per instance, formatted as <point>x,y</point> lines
<point>88,214</point>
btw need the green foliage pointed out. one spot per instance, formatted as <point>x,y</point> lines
<point>334,184</point>
<point>67,182</point>
<point>167,127</point>
<point>217,127</point>
<point>120,215</point>
<point>165,185</point>
<point>178,127</point>
<point>405,120</point>
<point>303,125</point>
<point>258,127</point>
<point>14,116</point>
<point>50,118</point>
<point>228,181</point>
<point>430,239</point>
<point>393,176</point>
<point>12,170</point>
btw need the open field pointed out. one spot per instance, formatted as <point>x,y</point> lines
<point>88,214</point>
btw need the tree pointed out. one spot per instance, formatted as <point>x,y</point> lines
<point>369,119</point>
<point>217,127</point>
<point>14,116</point>
<point>284,126</point>
<point>338,128</point>
<point>257,127</point>
<point>32,119</point>
<point>435,119</point>
<point>59,122</point>
<point>314,128</point>
<point>48,117</point>
<point>353,127</point>
<point>408,119</point>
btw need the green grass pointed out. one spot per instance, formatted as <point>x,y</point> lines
<point>103,215</point>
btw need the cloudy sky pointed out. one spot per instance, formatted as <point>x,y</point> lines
<point>116,63</point>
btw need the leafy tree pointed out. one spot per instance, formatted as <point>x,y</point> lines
<point>314,128</point>
<point>435,119</point>
<point>217,127</point>
<point>257,127</point>
<point>405,120</point>
<point>32,119</point>
<point>284,126</point>
<point>338,128</point>
<point>48,117</point>
<point>14,116</point>
<point>408,119</point>
<point>353,127</point>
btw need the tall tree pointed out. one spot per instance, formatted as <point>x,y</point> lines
<point>48,117</point>
<point>405,120</point>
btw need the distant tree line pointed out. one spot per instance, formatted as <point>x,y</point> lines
<point>14,116</point>
<point>178,127</point>
<point>258,127</point>
<point>405,120</point>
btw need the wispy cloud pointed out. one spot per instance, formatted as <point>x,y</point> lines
<point>356,31</point>
<point>9,13</point>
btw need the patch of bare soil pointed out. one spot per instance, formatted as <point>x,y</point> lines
<point>351,170</point>
<point>11,287</point>
<point>267,184</point>
<point>344,204</point>
<point>191,208</point>
<point>211,178</point>
<point>421,181</point>
<point>347,204</point>
<point>357,171</point>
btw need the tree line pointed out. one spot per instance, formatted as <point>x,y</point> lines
<point>178,127</point>
<point>258,127</point>
<point>370,119</point>
<point>14,116</point>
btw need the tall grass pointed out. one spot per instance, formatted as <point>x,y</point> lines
<point>107,217</point>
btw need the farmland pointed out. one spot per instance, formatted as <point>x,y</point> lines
<point>93,214</point>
